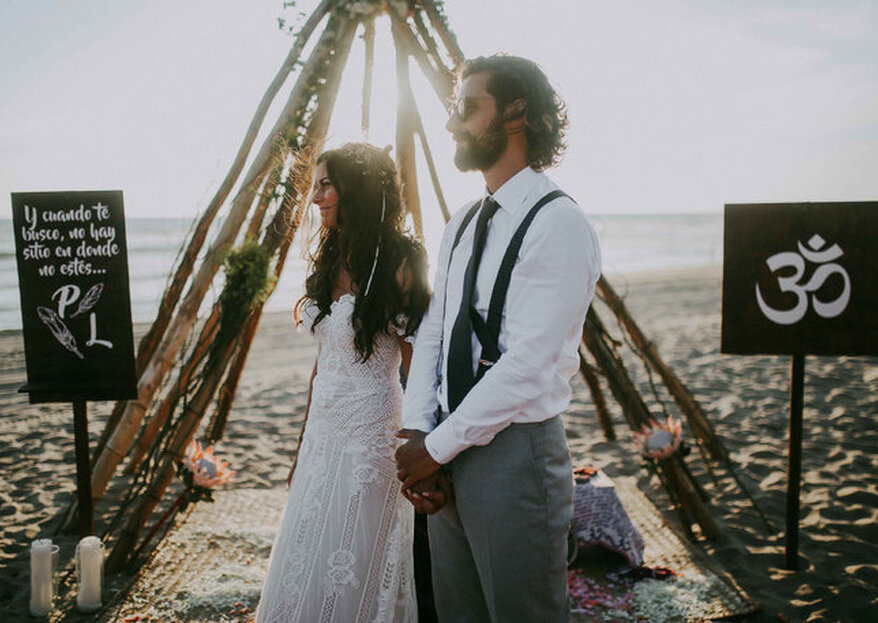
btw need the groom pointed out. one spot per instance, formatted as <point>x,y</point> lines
<point>493,358</point>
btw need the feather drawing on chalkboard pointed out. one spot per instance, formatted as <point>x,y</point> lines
<point>59,330</point>
<point>89,300</point>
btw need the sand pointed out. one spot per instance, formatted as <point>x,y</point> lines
<point>746,398</point>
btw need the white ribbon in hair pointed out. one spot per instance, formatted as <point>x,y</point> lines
<point>377,246</point>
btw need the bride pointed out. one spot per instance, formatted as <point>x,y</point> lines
<point>344,549</point>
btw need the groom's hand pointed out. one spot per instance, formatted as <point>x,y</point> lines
<point>413,462</point>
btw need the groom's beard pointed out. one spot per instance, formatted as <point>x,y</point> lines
<point>480,153</point>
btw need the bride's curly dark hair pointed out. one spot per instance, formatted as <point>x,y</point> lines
<point>365,178</point>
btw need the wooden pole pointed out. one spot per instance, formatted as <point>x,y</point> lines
<point>597,396</point>
<point>637,413</point>
<point>185,430</point>
<point>440,25</point>
<point>794,463</point>
<point>699,422</point>
<point>405,137</point>
<point>441,81</point>
<point>265,198</point>
<point>687,495</point>
<point>431,166</point>
<point>292,210</point>
<point>226,342</point>
<point>120,441</point>
<point>162,413</point>
<point>217,425</point>
<point>171,296</point>
<point>83,484</point>
<point>429,42</point>
<point>688,405</point>
<point>369,63</point>
<point>622,387</point>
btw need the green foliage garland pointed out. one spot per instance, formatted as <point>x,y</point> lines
<point>247,283</point>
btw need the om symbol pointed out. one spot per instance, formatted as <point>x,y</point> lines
<point>826,257</point>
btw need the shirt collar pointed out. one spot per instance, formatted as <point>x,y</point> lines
<point>512,194</point>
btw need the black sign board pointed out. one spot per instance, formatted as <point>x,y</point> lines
<point>800,278</point>
<point>75,303</point>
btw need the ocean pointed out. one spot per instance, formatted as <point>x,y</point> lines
<point>629,244</point>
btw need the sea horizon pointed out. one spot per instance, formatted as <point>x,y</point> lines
<point>630,243</point>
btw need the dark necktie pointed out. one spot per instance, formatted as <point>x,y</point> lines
<point>460,375</point>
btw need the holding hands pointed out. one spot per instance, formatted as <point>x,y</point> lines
<point>424,483</point>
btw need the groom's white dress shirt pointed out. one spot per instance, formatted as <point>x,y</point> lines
<point>552,285</point>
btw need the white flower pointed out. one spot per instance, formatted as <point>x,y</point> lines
<point>341,558</point>
<point>365,474</point>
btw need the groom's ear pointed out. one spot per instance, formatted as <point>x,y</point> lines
<point>515,110</point>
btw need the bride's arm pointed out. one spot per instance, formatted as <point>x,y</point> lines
<point>404,280</point>
<point>405,350</point>
<point>305,421</point>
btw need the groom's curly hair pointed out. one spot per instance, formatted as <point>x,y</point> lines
<point>511,78</point>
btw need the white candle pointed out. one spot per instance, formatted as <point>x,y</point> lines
<point>42,567</point>
<point>90,566</point>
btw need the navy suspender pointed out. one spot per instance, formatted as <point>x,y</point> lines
<point>488,331</point>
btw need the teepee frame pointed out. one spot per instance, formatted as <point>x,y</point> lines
<point>185,367</point>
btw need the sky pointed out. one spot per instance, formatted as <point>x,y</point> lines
<point>674,106</point>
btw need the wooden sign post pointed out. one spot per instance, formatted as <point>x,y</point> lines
<point>76,309</point>
<point>799,278</point>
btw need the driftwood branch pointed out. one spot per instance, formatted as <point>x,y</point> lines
<point>701,426</point>
<point>687,495</point>
<point>368,71</point>
<point>597,396</point>
<point>279,234</point>
<point>441,81</point>
<point>286,127</point>
<point>405,137</point>
<point>227,341</point>
<point>440,25</point>
<point>431,165</point>
<point>170,298</point>
<point>598,343</point>
<point>429,43</point>
<point>166,407</point>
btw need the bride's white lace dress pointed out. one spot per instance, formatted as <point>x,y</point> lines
<point>344,550</point>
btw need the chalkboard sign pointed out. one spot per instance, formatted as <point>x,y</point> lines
<point>801,278</point>
<point>75,303</point>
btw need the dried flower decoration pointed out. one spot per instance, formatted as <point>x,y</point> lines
<point>584,473</point>
<point>357,153</point>
<point>659,440</point>
<point>202,471</point>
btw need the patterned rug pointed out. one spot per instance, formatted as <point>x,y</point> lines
<point>210,568</point>
<point>697,590</point>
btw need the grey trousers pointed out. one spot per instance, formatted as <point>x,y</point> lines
<point>499,552</point>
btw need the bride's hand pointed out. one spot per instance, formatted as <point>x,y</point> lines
<point>432,494</point>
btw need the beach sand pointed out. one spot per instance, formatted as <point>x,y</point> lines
<point>747,399</point>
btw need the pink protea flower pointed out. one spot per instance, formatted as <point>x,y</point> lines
<point>659,440</point>
<point>207,470</point>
